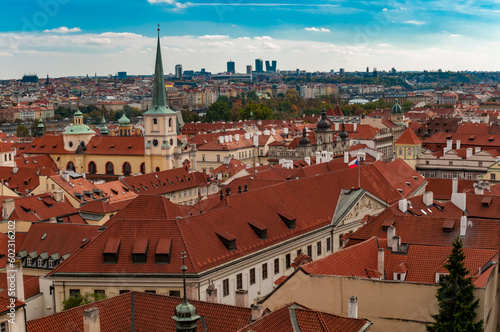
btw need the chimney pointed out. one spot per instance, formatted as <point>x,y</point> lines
<point>65,176</point>
<point>318,157</point>
<point>226,138</point>
<point>403,205</point>
<point>91,321</point>
<point>15,170</point>
<point>478,190</point>
<point>241,298</point>
<point>221,139</point>
<point>58,195</point>
<point>226,160</point>
<point>458,144</point>
<point>396,242</point>
<point>449,144</point>
<point>257,311</point>
<point>285,131</point>
<point>307,160</point>
<point>212,294</point>
<point>8,208</point>
<point>391,233</point>
<point>468,153</point>
<point>428,198</point>
<point>19,280</point>
<point>353,307</point>
<point>459,199</point>
<point>454,185</point>
<point>354,126</point>
<point>477,149</point>
<point>256,140</point>
<point>380,261</point>
<point>236,137</point>
<point>463,226</point>
<point>336,126</point>
<point>346,157</point>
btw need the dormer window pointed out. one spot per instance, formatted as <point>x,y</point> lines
<point>227,239</point>
<point>163,251</point>
<point>140,250</point>
<point>111,250</point>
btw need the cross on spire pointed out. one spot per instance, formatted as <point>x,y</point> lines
<point>183,269</point>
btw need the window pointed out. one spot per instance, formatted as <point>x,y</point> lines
<point>127,169</point>
<point>450,163</point>
<point>218,158</point>
<point>74,292</point>
<point>92,168</point>
<point>110,169</point>
<point>264,271</point>
<point>225,287</point>
<point>155,142</point>
<point>51,263</point>
<point>318,248</point>
<point>155,121</point>
<point>4,327</point>
<point>299,252</point>
<point>175,293</point>
<point>309,251</point>
<point>202,157</point>
<point>40,262</point>
<point>143,168</point>
<point>239,281</point>
<point>70,166</point>
<point>480,164</point>
<point>252,276</point>
<point>328,245</point>
<point>123,291</point>
<point>150,291</point>
<point>276,266</point>
<point>171,142</point>
<point>287,261</point>
<point>493,176</point>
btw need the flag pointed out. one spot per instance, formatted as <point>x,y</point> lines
<point>354,163</point>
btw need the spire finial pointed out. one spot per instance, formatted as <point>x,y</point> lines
<point>158,30</point>
<point>183,269</point>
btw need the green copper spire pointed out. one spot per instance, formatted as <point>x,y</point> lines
<point>185,312</point>
<point>159,103</point>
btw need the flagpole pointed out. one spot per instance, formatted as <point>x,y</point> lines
<point>359,173</point>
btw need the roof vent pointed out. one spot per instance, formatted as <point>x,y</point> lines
<point>44,236</point>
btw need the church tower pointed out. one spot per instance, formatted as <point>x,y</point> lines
<point>160,124</point>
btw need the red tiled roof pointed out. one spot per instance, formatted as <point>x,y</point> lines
<point>42,208</point>
<point>116,191</point>
<point>23,180</point>
<point>164,182</point>
<point>286,318</point>
<point>43,162</point>
<point>30,282</point>
<point>52,238</point>
<point>408,137</point>
<point>47,144</point>
<point>442,188</point>
<point>152,312</point>
<point>116,145</point>
<point>79,188</point>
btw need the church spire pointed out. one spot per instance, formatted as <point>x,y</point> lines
<point>159,103</point>
<point>185,312</point>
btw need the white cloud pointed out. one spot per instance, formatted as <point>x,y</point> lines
<point>5,54</point>
<point>383,45</point>
<point>63,30</point>
<point>317,29</point>
<point>212,37</point>
<point>415,22</point>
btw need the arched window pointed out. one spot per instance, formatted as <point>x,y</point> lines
<point>170,123</point>
<point>157,169</point>
<point>171,142</point>
<point>143,168</point>
<point>92,168</point>
<point>155,121</point>
<point>126,169</point>
<point>110,169</point>
<point>70,166</point>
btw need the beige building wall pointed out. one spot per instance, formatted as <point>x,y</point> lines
<point>389,305</point>
<point>209,160</point>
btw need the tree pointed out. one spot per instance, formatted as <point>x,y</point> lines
<point>34,127</point>
<point>75,301</point>
<point>22,131</point>
<point>457,307</point>
<point>259,111</point>
<point>218,111</point>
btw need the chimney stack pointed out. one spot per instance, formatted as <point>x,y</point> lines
<point>257,311</point>
<point>380,265</point>
<point>307,160</point>
<point>19,280</point>
<point>454,185</point>
<point>91,322</point>
<point>346,157</point>
<point>241,298</point>
<point>459,199</point>
<point>468,153</point>
<point>391,233</point>
<point>8,208</point>
<point>458,144</point>
<point>428,198</point>
<point>58,195</point>
<point>396,242</point>
<point>353,307</point>
<point>403,205</point>
<point>477,149</point>
<point>463,226</point>
<point>212,294</point>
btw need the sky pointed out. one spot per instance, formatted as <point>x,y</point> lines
<point>76,37</point>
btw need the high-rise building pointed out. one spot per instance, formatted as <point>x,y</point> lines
<point>230,67</point>
<point>178,71</point>
<point>259,65</point>
<point>271,66</point>
<point>249,69</point>
<point>122,75</point>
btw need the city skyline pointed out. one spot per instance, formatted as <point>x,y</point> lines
<point>76,38</point>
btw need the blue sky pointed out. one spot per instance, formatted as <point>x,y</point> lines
<point>74,37</point>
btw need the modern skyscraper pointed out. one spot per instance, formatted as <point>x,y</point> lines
<point>259,65</point>
<point>230,67</point>
<point>178,71</point>
<point>249,69</point>
<point>271,66</point>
